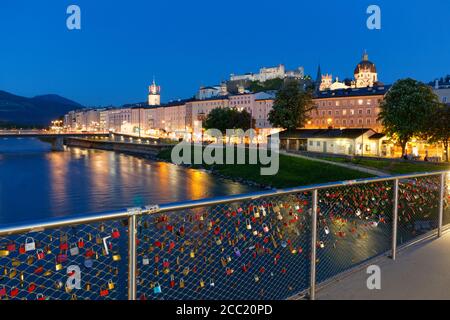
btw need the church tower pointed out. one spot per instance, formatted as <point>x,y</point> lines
<point>365,73</point>
<point>154,96</point>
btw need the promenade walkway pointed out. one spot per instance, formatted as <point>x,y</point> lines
<point>419,272</point>
<point>344,165</point>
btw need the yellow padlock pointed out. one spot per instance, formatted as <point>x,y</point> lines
<point>192,254</point>
<point>15,263</point>
<point>58,267</point>
<point>181,283</point>
<point>88,286</point>
<point>116,257</point>
<point>4,253</point>
<point>110,285</point>
<point>202,283</point>
<point>12,273</point>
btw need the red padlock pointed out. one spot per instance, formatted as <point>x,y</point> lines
<point>158,244</point>
<point>166,263</point>
<point>89,253</point>
<point>2,292</point>
<point>63,246</point>
<point>14,292</point>
<point>31,288</point>
<point>171,246</point>
<point>40,297</point>
<point>115,233</point>
<point>80,243</point>
<point>104,292</point>
<point>40,254</point>
<point>11,247</point>
<point>172,281</point>
<point>22,249</point>
<point>39,270</point>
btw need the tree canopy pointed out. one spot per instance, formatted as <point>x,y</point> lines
<point>228,118</point>
<point>438,129</point>
<point>291,107</point>
<point>405,110</point>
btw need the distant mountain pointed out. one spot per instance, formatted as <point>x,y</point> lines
<point>39,110</point>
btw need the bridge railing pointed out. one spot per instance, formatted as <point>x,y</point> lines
<point>265,245</point>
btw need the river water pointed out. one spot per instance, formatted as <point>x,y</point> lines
<point>36,183</point>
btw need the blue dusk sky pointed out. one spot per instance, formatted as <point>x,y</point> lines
<point>186,44</point>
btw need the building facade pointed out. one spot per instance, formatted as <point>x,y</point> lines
<point>277,72</point>
<point>442,89</point>
<point>348,108</point>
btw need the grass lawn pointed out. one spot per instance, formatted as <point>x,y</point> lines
<point>393,167</point>
<point>292,172</point>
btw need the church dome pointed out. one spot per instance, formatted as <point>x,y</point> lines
<point>365,65</point>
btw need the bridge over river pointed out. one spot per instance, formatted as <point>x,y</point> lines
<point>55,138</point>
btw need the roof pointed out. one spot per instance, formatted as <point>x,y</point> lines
<point>326,133</point>
<point>377,136</point>
<point>352,92</point>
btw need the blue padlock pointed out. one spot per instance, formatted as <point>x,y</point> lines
<point>157,288</point>
<point>88,263</point>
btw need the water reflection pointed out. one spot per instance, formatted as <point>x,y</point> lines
<point>36,183</point>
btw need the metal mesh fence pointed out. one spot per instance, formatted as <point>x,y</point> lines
<point>354,224</point>
<point>418,207</point>
<point>257,249</point>
<point>88,261</point>
<point>446,217</point>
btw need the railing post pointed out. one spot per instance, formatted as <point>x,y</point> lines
<point>394,221</point>
<point>312,286</point>
<point>132,231</point>
<point>441,204</point>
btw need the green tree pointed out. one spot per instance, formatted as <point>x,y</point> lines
<point>291,107</point>
<point>405,109</point>
<point>228,118</point>
<point>438,128</point>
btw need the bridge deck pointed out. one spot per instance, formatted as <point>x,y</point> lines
<point>49,135</point>
<point>420,272</point>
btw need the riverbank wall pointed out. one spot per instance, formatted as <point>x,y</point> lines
<point>151,150</point>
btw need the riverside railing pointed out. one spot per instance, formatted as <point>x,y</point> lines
<point>265,245</point>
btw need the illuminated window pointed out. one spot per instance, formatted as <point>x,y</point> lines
<point>344,112</point>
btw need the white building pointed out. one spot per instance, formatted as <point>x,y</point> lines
<point>442,89</point>
<point>277,72</point>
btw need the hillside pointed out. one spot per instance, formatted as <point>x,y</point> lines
<point>39,110</point>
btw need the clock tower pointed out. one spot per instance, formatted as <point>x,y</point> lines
<point>154,96</point>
